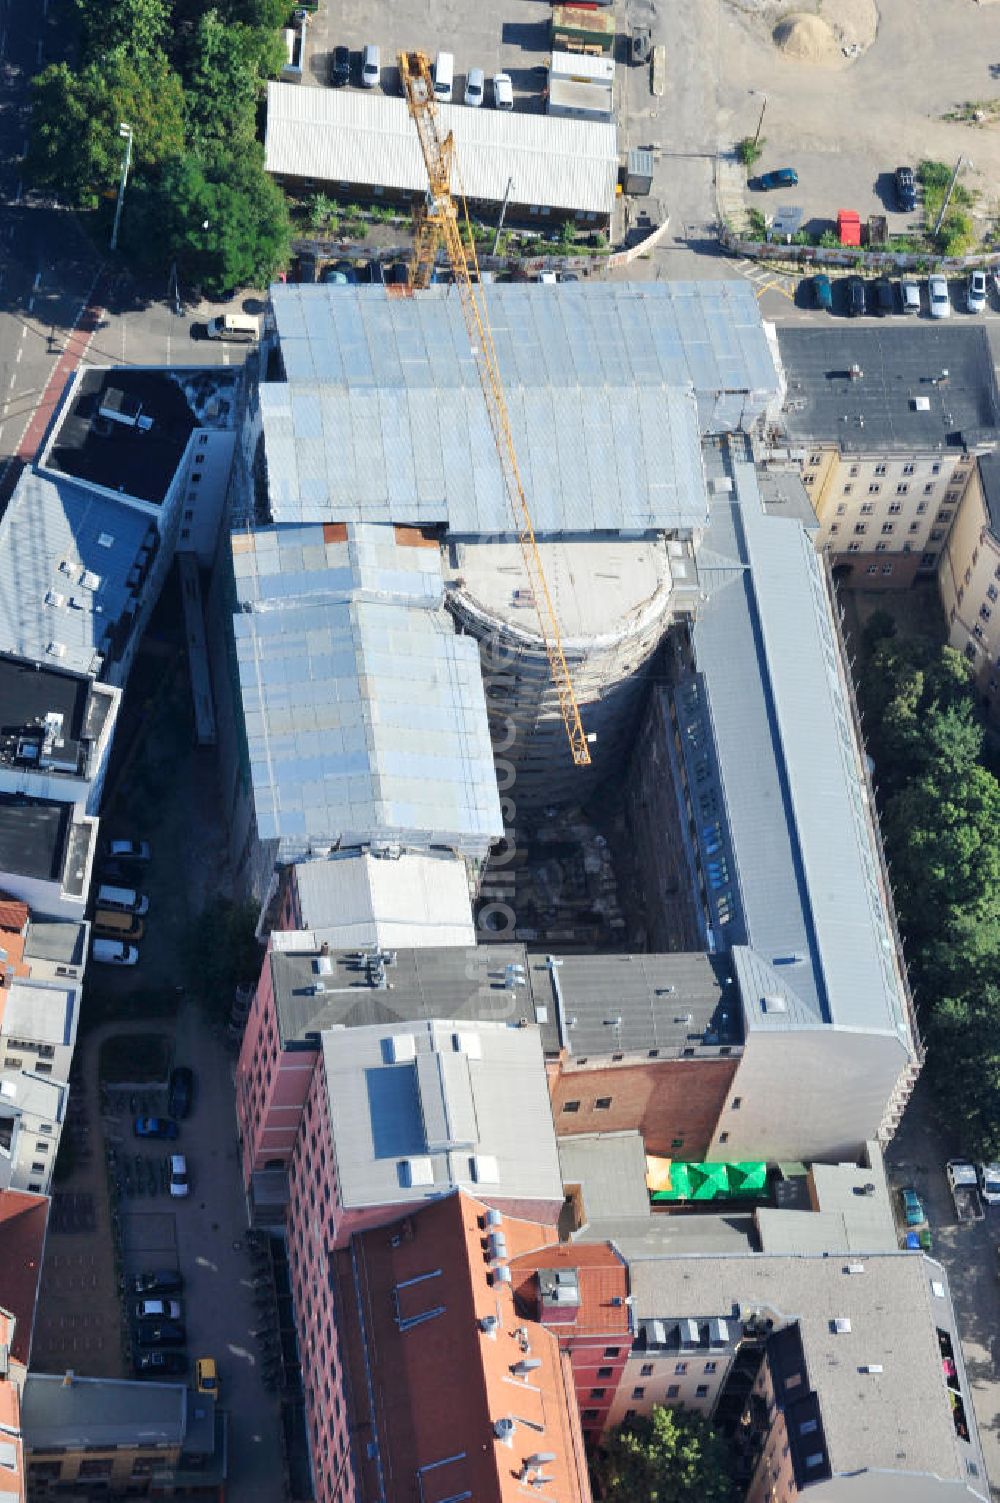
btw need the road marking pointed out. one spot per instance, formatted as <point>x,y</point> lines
<point>24,331</point>
<point>225,354</point>
<point>11,381</point>
<point>20,352</point>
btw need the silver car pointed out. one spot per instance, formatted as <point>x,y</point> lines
<point>371,66</point>
<point>975,292</point>
<point>937,290</point>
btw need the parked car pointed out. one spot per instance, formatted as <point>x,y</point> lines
<point>124,872</point>
<point>989,1183</point>
<point>913,1210</point>
<point>963,1182</point>
<point>503,92</point>
<point>155,1127</point>
<point>885,301</point>
<point>909,294</point>
<point>782,177</point>
<point>160,1333</point>
<point>158,1309</point>
<point>339,72</point>
<point>207,1374</point>
<point>179,1184</point>
<point>160,1281</point>
<point>906,190</point>
<point>940,302</point>
<point>475,87</point>
<point>113,925</point>
<point>371,66</point>
<point>340,274</point>
<point>444,76</point>
<point>113,952</point>
<point>975,292</point>
<point>128,850</point>
<point>157,1364</point>
<point>822,291</point>
<point>180,1091</point>
<point>854,292</point>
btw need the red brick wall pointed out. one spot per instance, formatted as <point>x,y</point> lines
<point>664,1100</point>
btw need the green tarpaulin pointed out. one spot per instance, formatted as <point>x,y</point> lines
<point>736,1181</point>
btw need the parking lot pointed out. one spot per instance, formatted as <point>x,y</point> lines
<point>512,37</point>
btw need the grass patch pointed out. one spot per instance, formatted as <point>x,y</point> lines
<point>135,1059</point>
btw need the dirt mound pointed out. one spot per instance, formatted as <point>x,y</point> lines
<point>807,39</point>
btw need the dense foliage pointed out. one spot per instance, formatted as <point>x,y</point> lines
<point>188,77</point>
<point>940,809</point>
<point>668,1456</point>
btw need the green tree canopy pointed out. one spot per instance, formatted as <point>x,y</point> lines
<point>75,145</point>
<point>136,28</point>
<point>665,1457</point>
<point>225,67</point>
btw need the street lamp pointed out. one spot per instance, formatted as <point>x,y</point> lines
<point>760,122</point>
<point>125,131</point>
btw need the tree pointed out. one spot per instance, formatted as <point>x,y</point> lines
<point>75,147</point>
<point>225,68</point>
<point>749,151</point>
<point>224,221</point>
<point>664,1457</point>
<point>136,28</point>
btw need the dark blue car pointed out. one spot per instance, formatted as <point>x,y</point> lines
<point>155,1127</point>
<point>782,177</point>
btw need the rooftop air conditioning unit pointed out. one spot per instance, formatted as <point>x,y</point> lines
<point>842,1325</point>
<point>503,1429</point>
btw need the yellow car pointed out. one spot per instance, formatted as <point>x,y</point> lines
<point>208,1376</point>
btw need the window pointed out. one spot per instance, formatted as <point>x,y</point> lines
<point>809,1427</point>
<point>867,508</point>
<point>737,1103</point>
<point>612,1351</point>
<point>936,535</point>
<point>808,479</point>
<point>921,508</point>
<point>723,1137</point>
<point>571,1106</point>
<point>895,507</point>
<point>887,528</point>
<point>943,516</point>
<point>603,1104</point>
<point>952,497</point>
<point>185,532</point>
<point>196,479</point>
<point>834,528</point>
<point>860,529</point>
<point>203,437</point>
<point>874,488</point>
<point>991,593</point>
<point>701,1392</point>
<point>854,547</point>
<point>598,1393</point>
<point>710,1367</point>
<point>673,1390</point>
<point>886,568</point>
<point>936,468</point>
<point>902,488</point>
<point>984,612</point>
<point>41,1147</point>
<point>590,1414</point>
<point>880,469</point>
<point>680,1368</point>
<point>914,526</point>
<point>881,547</point>
<point>616,1059</point>
<point>848,489</point>
<point>816,1459</point>
<point>38,1168</point>
<point>639,1392</point>
<point>815,459</point>
<point>872,569</point>
<point>793,1380</point>
<point>908,469</point>
<point>605,1372</point>
<point>841,509</point>
<point>854,471</point>
<point>647,1370</point>
<point>630,1414</point>
<point>929,489</point>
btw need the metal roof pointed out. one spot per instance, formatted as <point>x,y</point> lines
<point>446,1105</point>
<point>65,557</point>
<point>382,416</point>
<point>610,1168</point>
<point>360,899</point>
<point>353,137</point>
<point>805,890</point>
<point>859,387</point>
<point>365,713</point>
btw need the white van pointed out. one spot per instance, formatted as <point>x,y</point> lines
<point>122,899</point>
<point>444,77</point>
<point>113,952</point>
<point>241,326</point>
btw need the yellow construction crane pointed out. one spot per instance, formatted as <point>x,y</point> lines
<point>436,223</point>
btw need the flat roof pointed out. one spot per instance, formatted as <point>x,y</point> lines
<point>365,712</point>
<point>989,474</point>
<point>47,716</point>
<point>411,900</point>
<point>73,1413</point>
<point>897,1417</point>
<point>353,136</point>
<point>41,1011</point>
<point>610,1168</point>
<point>796,861</point>
<point>608,384</point>
<point>420,1108</point>
<point>60,942</point>
<point>34,836</point>
<point>900,370</point>
<point>71,566</point>
<point>138,458</point>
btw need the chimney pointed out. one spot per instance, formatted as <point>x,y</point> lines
<point>324,948</point>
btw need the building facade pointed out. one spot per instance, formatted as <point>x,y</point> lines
<point>969,579</point>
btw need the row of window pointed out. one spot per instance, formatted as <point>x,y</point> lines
<point>639,1392</point>
<point>908,468</point>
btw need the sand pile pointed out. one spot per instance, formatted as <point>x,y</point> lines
<point>807,39</point>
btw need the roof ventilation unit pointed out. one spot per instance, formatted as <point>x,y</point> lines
<point>485,1169</point>
<point>489,1325</point>
<point>415,1172</point>
<point>501,1274</point>
<point>842,1325</point>
<point>771,1002</point>
<point>855,1268</point>
<point>493,1217</point>
<point>497,1245</point>
<point>503,1429</point>
<point>402,1047</point>
<point>871,1367</point>
<point>525,1366</point>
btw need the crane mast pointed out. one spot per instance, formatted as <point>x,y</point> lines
<point>436,223</point>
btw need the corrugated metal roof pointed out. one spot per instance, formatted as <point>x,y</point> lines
<point>56,539</point>
<point>365,713</point>
<point>790,770</point>
<point>608,385</point>
<point>359,138</point>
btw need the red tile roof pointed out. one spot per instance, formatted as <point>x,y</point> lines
<point>440,1382</point>
<point>23,1219</point>
<point>602,1280</point>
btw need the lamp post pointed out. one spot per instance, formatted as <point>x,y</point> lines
<point>125,131</point>
<point>760,122</point>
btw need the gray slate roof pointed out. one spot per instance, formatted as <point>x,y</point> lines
<point>807,908</point>
<point>56,538</point>
<point>898,1419</point>
<point>101,1412</point>
<point>382,417</point>
<point>875,411</point>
